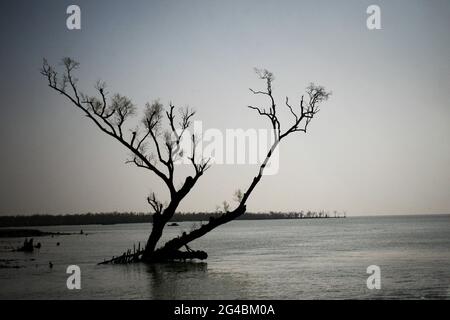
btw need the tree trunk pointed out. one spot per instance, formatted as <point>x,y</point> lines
<point>155,235</point>
<point>159,222</point>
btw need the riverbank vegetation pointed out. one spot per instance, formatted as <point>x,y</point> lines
<point>133,217</point>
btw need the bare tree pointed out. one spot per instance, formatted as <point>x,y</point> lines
<point>110,114</point>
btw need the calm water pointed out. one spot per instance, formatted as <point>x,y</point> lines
<point>271,259</point>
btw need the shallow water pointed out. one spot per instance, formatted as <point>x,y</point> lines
<point>266,259</point>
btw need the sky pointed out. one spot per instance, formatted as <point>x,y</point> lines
<point>380,145</point>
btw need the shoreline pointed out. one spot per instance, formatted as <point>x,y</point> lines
<point>27,233</point>
<point>131,217</point>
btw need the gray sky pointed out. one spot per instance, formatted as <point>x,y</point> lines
<point>378,146</point>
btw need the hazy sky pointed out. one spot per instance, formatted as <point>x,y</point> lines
<point>380,145</point>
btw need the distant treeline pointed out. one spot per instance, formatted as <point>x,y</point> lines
<point>116,218</point>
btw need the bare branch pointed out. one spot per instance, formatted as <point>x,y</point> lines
<point>122,108</point>
<point>290,108</point>
<point>152,121</point>
<point>156,205</point>
<point>120,105</point>
<point>316,94</point>
<point>201,166</point>
<point>272,113</point>
<point>70,65</point>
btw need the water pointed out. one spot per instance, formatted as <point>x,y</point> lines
<point>268,259</point>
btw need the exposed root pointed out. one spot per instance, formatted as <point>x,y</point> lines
<point>127,257</point>
<point>131,256</point>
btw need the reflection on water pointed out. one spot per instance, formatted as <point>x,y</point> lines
<point>191,280</point>
<point>167,280</point>
<point>272,259</point>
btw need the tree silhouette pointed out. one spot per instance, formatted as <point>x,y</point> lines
<point>110,115</point>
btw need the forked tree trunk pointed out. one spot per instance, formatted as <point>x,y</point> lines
<point>159,222</point>
<point>161,219</point>
<point>171,250</point>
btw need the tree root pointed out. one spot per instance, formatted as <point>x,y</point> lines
<point>125,258</point>
<point>158,256</point>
